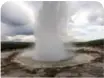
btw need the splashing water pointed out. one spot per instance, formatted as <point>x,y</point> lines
<point>49,46</point>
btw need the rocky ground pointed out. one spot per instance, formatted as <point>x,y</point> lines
<point>93,69</point>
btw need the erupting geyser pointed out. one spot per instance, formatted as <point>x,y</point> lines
<point>49,46</point>
<point>49,50</point>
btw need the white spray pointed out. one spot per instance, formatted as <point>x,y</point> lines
<point>49,46</point>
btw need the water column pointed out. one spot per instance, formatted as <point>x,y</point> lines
<point>49,46</point>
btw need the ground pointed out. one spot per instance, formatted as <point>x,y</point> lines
<point>94,69</point>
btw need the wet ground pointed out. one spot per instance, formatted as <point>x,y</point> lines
<point>94,69</point>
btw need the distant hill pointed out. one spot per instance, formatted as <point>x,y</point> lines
<point>15,45</point>
<point>99,42</point>
<point>20,45</point>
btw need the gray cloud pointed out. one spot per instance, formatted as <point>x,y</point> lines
<point>95,9</point>
<point>13,14</point>
<point>16,22</point>
<point>18,30</point>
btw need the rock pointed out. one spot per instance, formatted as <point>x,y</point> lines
<point>67,74</point>
<point>93,70</point>
<point>84,74</point>
<point>51,72</point>
<point>41,73</point>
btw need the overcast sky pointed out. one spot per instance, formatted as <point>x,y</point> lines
<point>18,20</point>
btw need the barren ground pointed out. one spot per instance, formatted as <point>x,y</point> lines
<point>93,69</point>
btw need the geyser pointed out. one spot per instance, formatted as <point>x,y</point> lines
<point>49,51</point>
<point>49,46</point>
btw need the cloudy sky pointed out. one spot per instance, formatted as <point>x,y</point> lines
<point>18,21</point>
